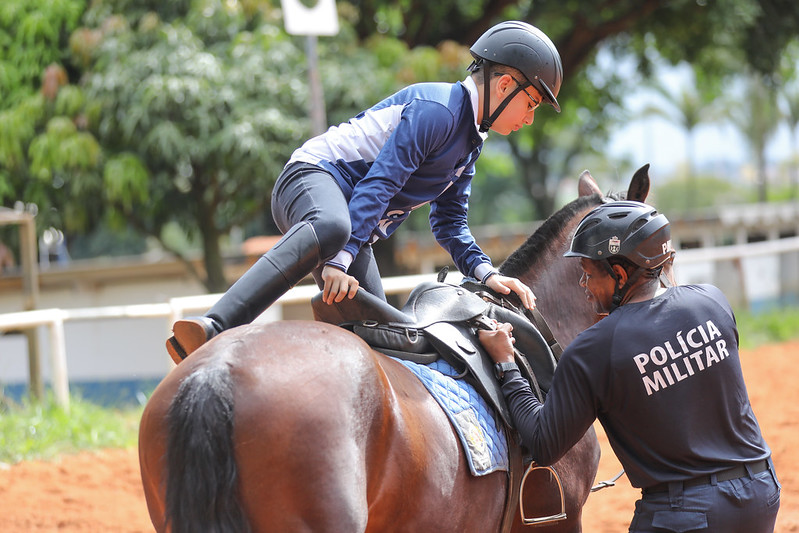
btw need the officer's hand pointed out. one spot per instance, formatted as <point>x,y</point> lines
<point>504,285</point>
<point>338,285</point>
<point>498,342</point>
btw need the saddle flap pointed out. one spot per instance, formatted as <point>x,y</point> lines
<point>456,347</point>
<point>402,338</point>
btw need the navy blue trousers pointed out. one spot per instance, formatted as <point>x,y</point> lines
<point>745,505</point>
<point>307,193</point>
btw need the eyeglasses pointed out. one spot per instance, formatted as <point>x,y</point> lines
<point>536,103</point>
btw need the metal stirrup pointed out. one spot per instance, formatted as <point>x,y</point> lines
<point>543,519</point>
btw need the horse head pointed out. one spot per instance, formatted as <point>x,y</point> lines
<point>539,262</point>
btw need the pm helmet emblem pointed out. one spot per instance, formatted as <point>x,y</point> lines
<point>614,245</point>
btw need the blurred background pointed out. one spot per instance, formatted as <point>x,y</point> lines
<point>140,141</point>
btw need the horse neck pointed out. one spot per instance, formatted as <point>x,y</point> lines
<point>562,301</point>
<point>554,279</point>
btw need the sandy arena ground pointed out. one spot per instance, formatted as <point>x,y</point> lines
<point>100,491</point>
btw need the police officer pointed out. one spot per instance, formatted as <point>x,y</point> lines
<point>358,181</point>
<point>661,373</point>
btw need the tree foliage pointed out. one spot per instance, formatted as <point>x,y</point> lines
<point>197,121</point>
<point>33,35</point>
<point>49,160</point>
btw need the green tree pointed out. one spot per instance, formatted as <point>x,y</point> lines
<point>197,103</point>
<point>790,98</point>
<point>196,125</point>
<point>48,159</point>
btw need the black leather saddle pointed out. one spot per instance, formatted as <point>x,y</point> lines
<point>441,320</point>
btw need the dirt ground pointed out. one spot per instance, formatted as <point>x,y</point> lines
<point>92,492</point>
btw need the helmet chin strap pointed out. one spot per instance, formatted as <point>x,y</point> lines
<point>486,123</point>
<point>621,294</point>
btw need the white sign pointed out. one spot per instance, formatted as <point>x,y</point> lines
<point>320,19</point>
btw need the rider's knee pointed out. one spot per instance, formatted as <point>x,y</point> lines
<point>333,233</point>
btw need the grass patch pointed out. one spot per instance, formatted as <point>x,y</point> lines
<point>777,325</point>
<point>42,430</point>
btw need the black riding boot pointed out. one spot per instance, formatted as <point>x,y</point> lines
<point>277,271</point>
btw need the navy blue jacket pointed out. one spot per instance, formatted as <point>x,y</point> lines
<point>417,146</point>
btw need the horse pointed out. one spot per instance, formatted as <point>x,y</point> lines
<point>301,426</point>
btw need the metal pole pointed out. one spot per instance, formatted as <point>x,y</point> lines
<point>30,288</point>
<point>58,360</point>
<point>317,103</point>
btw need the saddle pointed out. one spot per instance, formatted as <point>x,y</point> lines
<point>441,320</point>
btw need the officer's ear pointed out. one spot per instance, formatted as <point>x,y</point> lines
<point>621,275</point>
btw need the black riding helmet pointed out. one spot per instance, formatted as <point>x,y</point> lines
<point>628,229</point>
<point>524,47</point>
<point>633,230</point>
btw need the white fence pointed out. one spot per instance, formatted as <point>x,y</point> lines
<point>749,274</point>
<point>753,276</point>
<point>174,309</point>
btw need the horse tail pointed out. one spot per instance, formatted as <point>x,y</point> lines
<point>202,483</point>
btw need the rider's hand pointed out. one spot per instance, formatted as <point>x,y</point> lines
<point>503,285</point>
<point>498,342</point>
<point>338,285</point>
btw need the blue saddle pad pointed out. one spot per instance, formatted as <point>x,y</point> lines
<point>481,434</point>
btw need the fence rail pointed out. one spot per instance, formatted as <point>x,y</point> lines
<point>173,310</point>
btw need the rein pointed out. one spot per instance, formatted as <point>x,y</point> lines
<point>607,483</point>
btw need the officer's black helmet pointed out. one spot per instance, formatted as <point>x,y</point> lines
<point>522,46</point>
<point>633,230</point>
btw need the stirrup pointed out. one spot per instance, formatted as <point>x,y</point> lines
<point>542,519</point>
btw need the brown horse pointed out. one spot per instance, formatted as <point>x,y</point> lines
<point>300,426</point>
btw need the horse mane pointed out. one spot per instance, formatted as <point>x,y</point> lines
<point>527,255</point>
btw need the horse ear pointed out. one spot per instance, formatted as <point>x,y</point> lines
<point>586,185</point>
<point>639,185</point>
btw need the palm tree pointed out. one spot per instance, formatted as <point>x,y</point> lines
<point>790,100</point>
<point>688,106</point>
<point>756,115</point>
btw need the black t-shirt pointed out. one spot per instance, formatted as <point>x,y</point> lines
<point>664,379</point>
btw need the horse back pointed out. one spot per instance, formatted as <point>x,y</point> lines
<point>327,433</point>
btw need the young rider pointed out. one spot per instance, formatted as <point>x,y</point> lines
<point>357,182</point>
